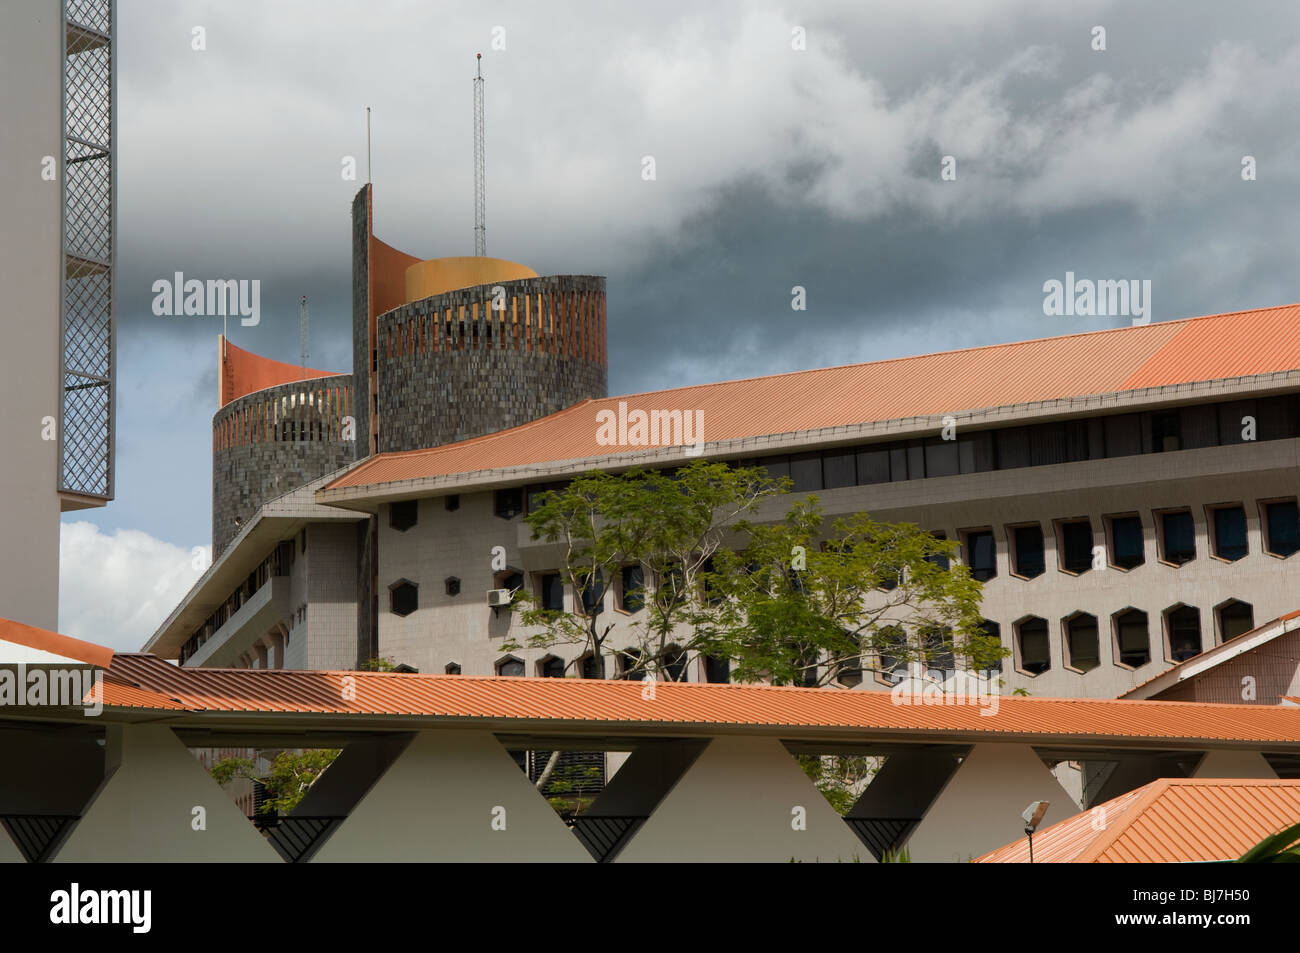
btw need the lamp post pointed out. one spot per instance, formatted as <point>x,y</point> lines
<point>1033,816</point>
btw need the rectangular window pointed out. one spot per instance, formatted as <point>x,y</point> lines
<point>898,464</point>
<point>777,467</point>
<point>838,469</point>
<point>975,452</point>
<point>916,460</point>
<point>873,465</point>
<point>550,589</point>
<point>1126,550</point>
<point>941,457</point>
<point>1047,444</point>
<point>806,471</point>
<point>1232,420</point>
<point>1199,426</point>
<point>1177,537</point>
<point>507,504</point>
<point>1075,540</point>
<point>1282,527</point>
<point>1123,435</point>
<point>717,670</point>
<point>1027,551</point>
<point>1230,532</point>
<point>1277,417</point>
<point>1012,448</point>
<point>1166,432</point>
<point>981,554</point>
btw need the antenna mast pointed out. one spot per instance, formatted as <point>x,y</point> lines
<point>480,225</point>
<point>302,329</point>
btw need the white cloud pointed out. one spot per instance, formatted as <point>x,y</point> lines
<point>115,589</point>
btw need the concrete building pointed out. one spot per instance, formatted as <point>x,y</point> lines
<point>1127,496</point>
<point>58,203</point>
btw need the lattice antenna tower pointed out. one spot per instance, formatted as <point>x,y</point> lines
<point>480,215</point>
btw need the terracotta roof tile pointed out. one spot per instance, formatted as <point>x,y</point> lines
<point>1172,820</point>
<point>618,702</point>
<point>1213,347</point>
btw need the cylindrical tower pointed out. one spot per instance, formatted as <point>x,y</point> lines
<point>453,348</point>
<point>271,437</point>
<point>473,361</point>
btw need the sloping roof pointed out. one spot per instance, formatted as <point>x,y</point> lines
<point>54,644</point>
<point>1215,656</point>
<point>621,703</point>
<point>1214,347</point>
<point>242,372</point>
<point>1172,820</point>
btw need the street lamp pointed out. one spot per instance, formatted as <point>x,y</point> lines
<point>1033,816</point>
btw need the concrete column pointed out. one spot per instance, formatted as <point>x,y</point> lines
<point>453,795</point>
<point>154,796</point>
<point>979,808</point>
<point>744,799</point>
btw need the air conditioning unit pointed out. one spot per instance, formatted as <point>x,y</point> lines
<point>498,597</point>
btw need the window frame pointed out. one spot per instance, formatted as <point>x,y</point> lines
<point>1162,548</point>
<point>1013,560</point>
<point>1117,647</point>
<point>1266,530</point>
<point>1212,530</point>
<point>1108,527</point>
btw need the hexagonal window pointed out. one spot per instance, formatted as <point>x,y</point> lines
<point>1182,632</point>
<point>1074,545</point>
<point>1082,646</point>
<point>1234,618</point>
<point>1281,521</point>
<point>510,666</point>
<point>1026,546</point>
<point>550,666</point>
<point>403,597</point>
<point>451,502</point>
<point>452,668</point>
<point>592,666</point>
<point>1228,540</point>
<point>403,514</point>
<point>1132,638</point>
<point>1033,648</point>
<point>452,585</point>
<point>993,631</point>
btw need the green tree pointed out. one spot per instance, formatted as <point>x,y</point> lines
<point>669,524</point>
<point>807,604</point>
<point>292,774</point>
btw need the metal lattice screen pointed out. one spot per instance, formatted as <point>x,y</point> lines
<point>86,430</point>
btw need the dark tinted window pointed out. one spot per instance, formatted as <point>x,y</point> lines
<point>1235,618</point>
<point>1230,417</point>
<point>1178,534</point>
<point>1230,533</point>
<point>941,457</point>
<point>404,598</point>
<point>1277,417</point>
<point>551,667</point>
<point>1166,432</point>
<point>1123,435</point>
<point>1076,546</point>
<point>511,666</point>
<point>1035,656</point>
<point>1126,542</point>
<point>975,452</point>
<point>1081,637</point>
<point>806,471</point>
<point>633,588</point>
<point>838,469</point>
<point>1184,633</point>
<point>1027,551</point>
<point>402,515</point>
<point>873,465</point>
<point>1199,427</point>
<point>552,591</point>
<point>1282,523</point>
<point>981,555</point>
<point>777,467</point>
<point>593,594</point>
<point>717,669</point>
<point>509,503</point>
<point>1133,637</point>
<point>1012,448</point>
<point>938,559</point>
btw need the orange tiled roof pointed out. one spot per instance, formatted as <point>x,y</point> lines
<point>54,643</point>
<point>1172,820</point>
<point>242,372</point>
<point>562,700</point>
<point>1213,347</point>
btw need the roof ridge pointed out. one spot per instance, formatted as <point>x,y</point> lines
<point>1151,792</point>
